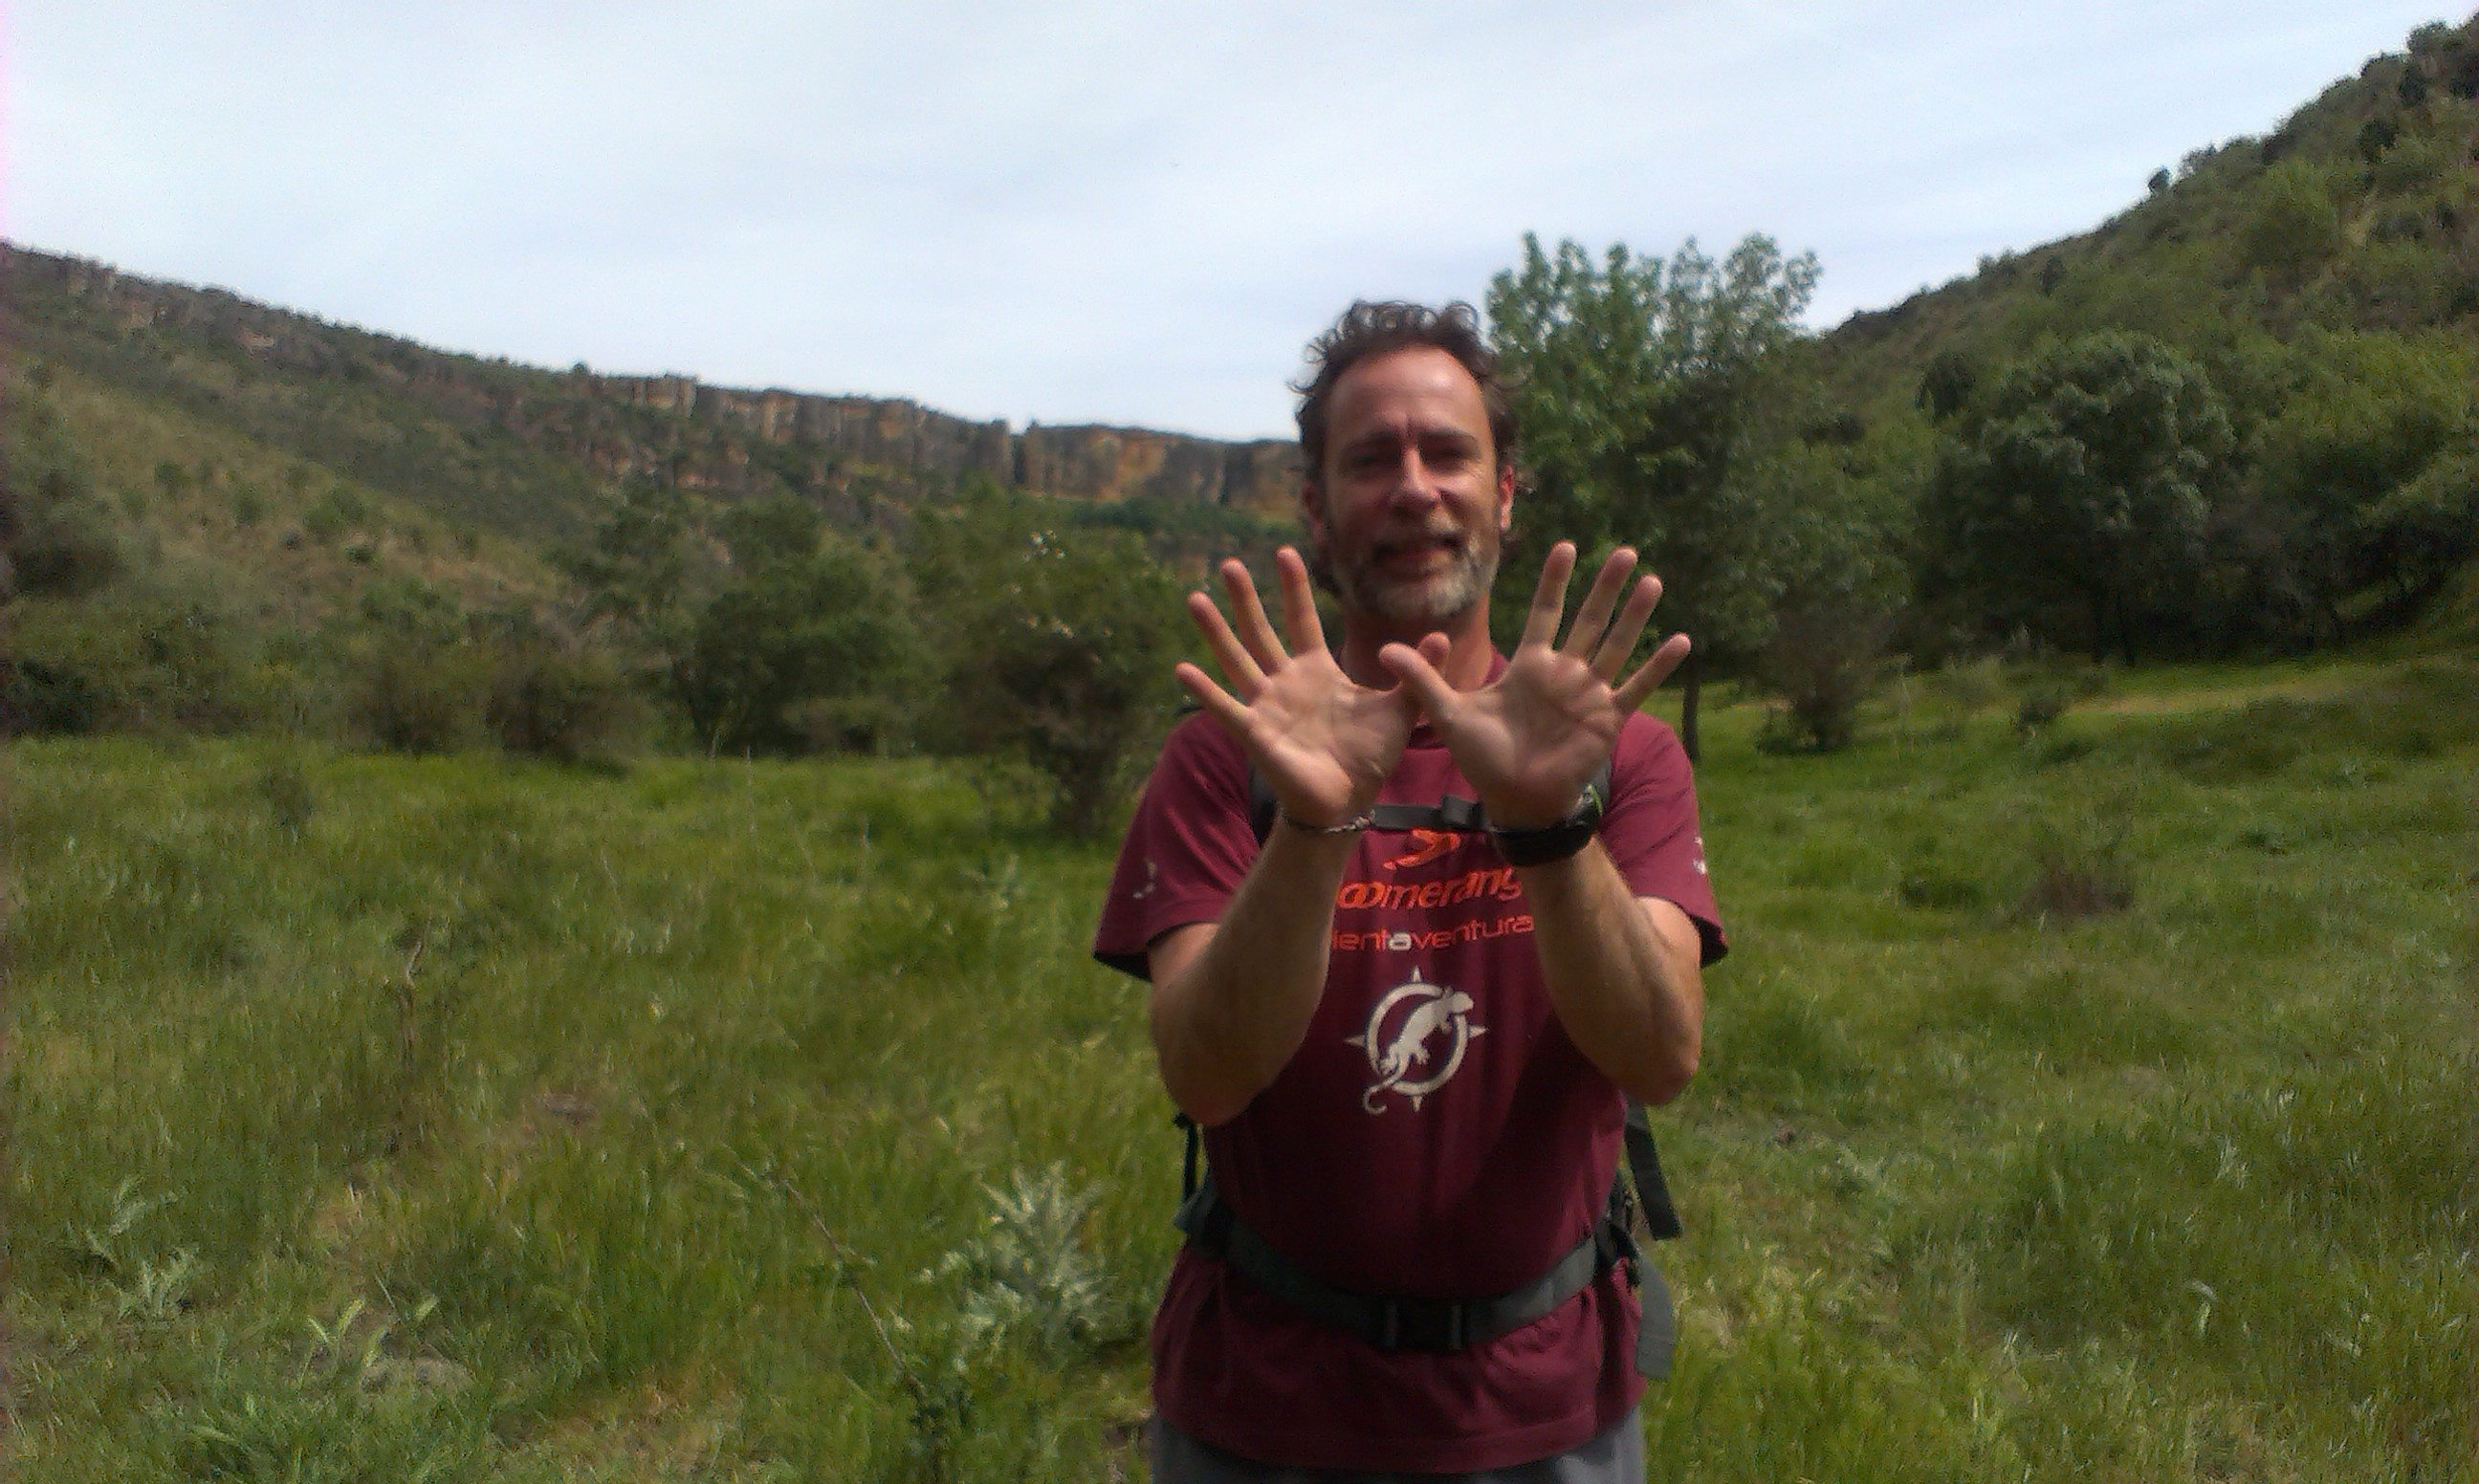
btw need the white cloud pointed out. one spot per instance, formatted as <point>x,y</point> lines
<point>1084,210</point>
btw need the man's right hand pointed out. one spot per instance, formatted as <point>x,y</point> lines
<point>1323,743</point>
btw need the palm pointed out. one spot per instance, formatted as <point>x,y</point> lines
<point>1531,740</point>
<point>1323,742</point>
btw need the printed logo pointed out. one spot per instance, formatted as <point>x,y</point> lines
<point>1398,1038</point>
<point>1427,845</point>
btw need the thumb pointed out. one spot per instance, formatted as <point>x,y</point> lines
<point>1419,676</point>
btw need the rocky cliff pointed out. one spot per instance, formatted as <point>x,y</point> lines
<point>320,386</point>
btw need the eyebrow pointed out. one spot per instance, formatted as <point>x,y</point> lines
<point>1388,438</point>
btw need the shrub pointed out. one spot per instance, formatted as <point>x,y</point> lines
<point>2295,225</point>
<point>1057,646</point>
<point>134,663</point>
<point>408,694</point>
<point>1970,686</point>
<point>55,537</point>
<point>1027,1274</point>
<point>817,650</point>
<point>2044,691</point>
<point>1823,659</point>
<point>2078,868</point>
<point>574,707</point>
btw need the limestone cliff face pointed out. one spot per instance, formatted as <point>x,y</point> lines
<point>895,433</point>
<point>1129,463</point>
<point>705,437</point>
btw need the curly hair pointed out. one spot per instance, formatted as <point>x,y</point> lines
<point>1370,329</point>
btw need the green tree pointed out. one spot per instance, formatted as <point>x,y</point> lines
<point>2082,476</point>
<point>55,537</point>
<point>1840,516</point>
<point>1644,384</point>
<point>2362,459</point>
<point>814,651</point>
<point>634,566</point>
<point>2294,225</point>
<point>1056,643</point>
<point>770,531</point>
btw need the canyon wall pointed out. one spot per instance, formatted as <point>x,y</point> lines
<point>702,433</point>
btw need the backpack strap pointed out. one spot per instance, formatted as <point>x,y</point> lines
<point>1448,1324</point>
<point>1390,1323</point>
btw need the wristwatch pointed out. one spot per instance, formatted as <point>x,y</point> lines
<point>1554,841</point>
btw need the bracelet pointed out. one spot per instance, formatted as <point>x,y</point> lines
<point>1347,826</point>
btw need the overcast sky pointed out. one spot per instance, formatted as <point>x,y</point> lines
<point>1077,211</point>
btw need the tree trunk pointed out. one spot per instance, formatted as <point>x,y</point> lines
<point>2100,624</point>
<point>1691,686</point>
<point>2125,633</point>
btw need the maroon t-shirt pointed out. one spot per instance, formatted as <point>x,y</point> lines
<point>1436,1135</point>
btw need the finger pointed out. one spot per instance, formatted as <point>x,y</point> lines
<point>1228,653</point>
<point>1422,678</point>
<point>1217,701</point>
<point>1594,616</point>
<point>1249,616</point>
<point>1651,673</point>
<point>1550,599</point>
<point>1299,604</point>
<point>1626,630</point>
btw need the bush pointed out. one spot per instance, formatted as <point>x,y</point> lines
<point>405,695</point>
<point>2295,225</point>
<point>413,681</point>
<point>574,707</point>
<point>1057,646</point>
<point>55,537</point>
<point>1969,686</point>
<point>2046,690</point>
<point>141,662</point>
<point>817,650</point>
<point>1823,660</point>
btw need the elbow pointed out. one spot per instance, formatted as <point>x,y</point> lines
<point>1207,1108</point>
<point>1663,1082</point>
<point>1189,1075</point>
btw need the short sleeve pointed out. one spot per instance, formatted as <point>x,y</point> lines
<point>1188,848</point>
<point>1650,827</point>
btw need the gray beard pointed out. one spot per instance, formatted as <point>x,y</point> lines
<point>1366,589</point>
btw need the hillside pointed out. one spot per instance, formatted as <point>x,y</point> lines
<point>2358,213</point>
<point>532,453</point>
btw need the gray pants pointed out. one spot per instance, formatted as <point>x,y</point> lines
<point>1615,1457</point>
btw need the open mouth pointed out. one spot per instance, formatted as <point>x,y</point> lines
<point>1418,553</point>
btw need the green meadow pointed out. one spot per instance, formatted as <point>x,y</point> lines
<point>2095,1103</point>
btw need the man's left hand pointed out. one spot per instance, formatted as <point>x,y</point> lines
<point>1531,740</point>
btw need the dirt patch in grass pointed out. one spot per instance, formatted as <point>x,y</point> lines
<point>2073,891</point>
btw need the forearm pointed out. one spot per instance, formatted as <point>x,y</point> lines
<point>1631,996</point>
<point>1228,1017</point>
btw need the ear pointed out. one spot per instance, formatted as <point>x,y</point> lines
<point>1312,511</point>
<point>1505,495</point>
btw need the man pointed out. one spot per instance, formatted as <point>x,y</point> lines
<point>1408,1047</point>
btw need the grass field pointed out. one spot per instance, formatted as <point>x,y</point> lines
<point>2095,1106</point>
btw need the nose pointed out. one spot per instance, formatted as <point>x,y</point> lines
<point>1414,488</point>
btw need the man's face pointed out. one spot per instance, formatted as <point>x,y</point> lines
<point>1406,510</point>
